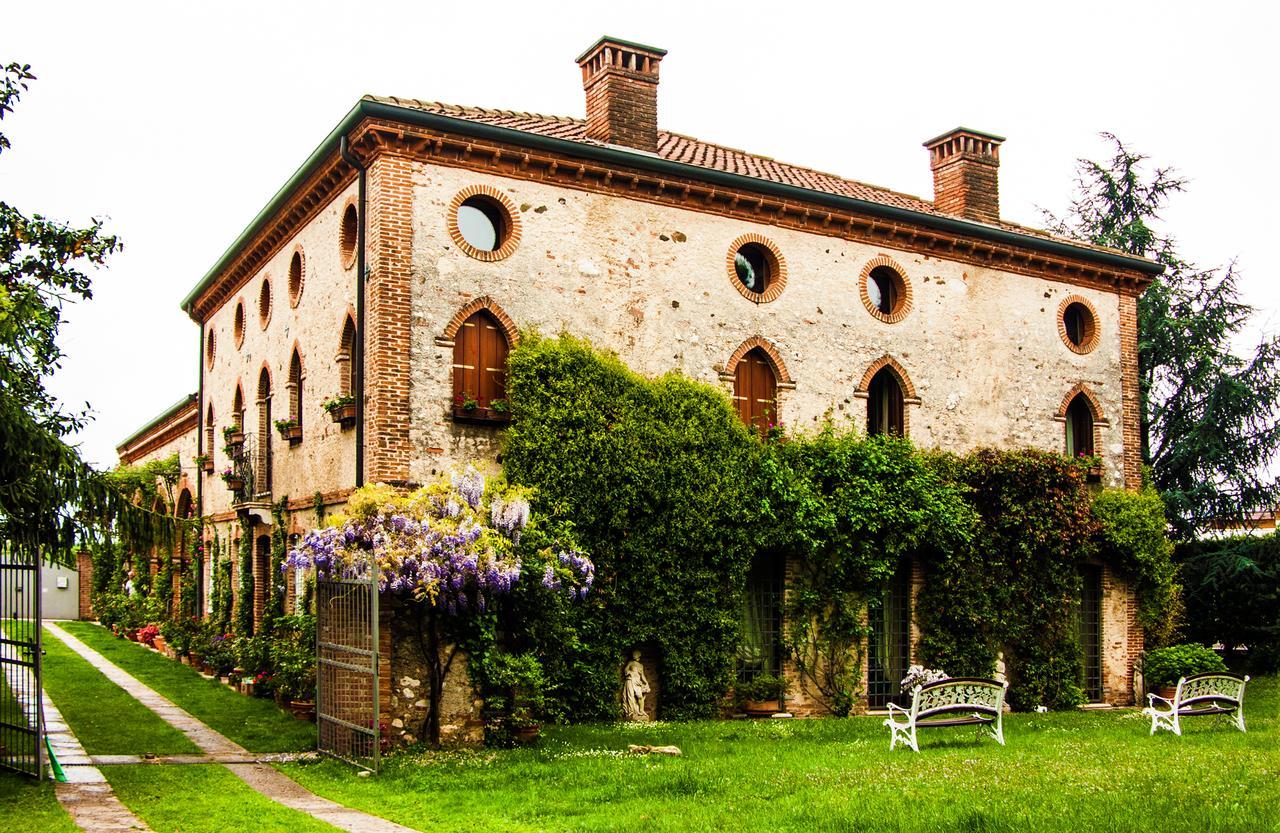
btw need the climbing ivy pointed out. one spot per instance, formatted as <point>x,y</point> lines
<point>243,621</point>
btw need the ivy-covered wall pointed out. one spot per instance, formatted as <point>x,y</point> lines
<point>673,498</point>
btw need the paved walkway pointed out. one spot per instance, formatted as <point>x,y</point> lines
<point>86,795</point>
<point>261,777</point>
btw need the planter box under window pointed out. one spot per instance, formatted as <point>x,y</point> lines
<point>207,466</point>
<point>344,415</point>
<point>234,484</point>
<point>480,416</point>
<point>292,434</point>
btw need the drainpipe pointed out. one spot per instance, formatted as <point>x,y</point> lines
<point>357,361</point>
<point>202,601</point>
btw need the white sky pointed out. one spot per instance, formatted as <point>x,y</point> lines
<point>178,121</point>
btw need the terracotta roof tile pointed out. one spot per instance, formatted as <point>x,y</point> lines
<point>676,147</point>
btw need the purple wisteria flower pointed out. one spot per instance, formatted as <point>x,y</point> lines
<point>470,484</point>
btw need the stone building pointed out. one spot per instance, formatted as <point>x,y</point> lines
<point>396,267</point>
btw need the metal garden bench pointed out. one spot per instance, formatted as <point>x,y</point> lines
<point>963,701</point>
<point>1216,693</point>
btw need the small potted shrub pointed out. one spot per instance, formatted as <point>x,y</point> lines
<point>515,694</point>
<point>341,409</point>
<point>1163,667</point>
<point>762,695</point>
<point>148,635</point>
<point>233,436</point>
<point>290,430</point>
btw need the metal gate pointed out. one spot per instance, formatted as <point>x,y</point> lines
<point>889,641</point>
<point>21,717</point>
<point>1089,625</point>
<point>347,670</point>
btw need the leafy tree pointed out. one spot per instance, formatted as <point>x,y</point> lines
<point>1210,426</point>
<point>48,496</point>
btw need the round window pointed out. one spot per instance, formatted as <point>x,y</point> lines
<point>349,236</point>
<point>751,264</point>
<point>885,291</point>
<point>264,303</point>
<point>1078,324</point>
<point>295,278</point>
<point>238,327</point>
<point>482,223</point>
<point>210,348</point>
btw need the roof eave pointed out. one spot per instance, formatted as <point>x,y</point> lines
<point>169,413</point>
<point>366,108</point>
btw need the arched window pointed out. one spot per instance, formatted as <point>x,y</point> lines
<point>755,390</point>
<point>1079,431</point>
<point>347,358</point>
<point>237,408</point>
<point>295,388</point>
<point>885,411</point>
<point>208,431</point>
<point>263,474</point>
<point>479,362</point>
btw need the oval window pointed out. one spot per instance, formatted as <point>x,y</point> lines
<point>751,264</point>
<point>481,224</point>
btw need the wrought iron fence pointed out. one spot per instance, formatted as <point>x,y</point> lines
<point>244,470</point>
<point>21,716</point>
<point>347,670</point>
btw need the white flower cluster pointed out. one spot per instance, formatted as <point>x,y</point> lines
<point>919,675</point>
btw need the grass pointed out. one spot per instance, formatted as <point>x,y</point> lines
<point>257,724</point>
<point>28,806</point>
<point>106,719</point>
<point>202,798</point>
<point>1096,771</point>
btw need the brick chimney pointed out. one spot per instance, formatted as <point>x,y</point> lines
<point>621,81</point>
<point>966,168</point>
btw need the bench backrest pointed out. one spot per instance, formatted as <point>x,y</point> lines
<point>960,694</point>
<point>1219,686</point>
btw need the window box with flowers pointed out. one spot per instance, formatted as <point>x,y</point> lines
<point>233,480</point>
<point>1092,466</point>
<point>466,408</point>
<point>290,430</point>
<point>233,436</point>
<point>342,410</point>
<point>204,463</point>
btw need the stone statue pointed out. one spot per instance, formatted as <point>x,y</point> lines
<point>634,688</point>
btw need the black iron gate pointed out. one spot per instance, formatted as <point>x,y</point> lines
<point>347,670</point>
<point>1089,623</point>
<point>21,717</point>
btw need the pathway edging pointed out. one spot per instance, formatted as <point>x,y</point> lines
<point>262,778</point>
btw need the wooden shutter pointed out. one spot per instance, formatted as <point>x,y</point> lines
<point>755,391</point>
<point>480,360</point>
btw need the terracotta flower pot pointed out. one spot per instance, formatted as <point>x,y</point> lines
<point>526,734</point>
<point>760,708</point>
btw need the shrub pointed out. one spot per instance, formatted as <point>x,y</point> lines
<point>762,688</point>
<point>293,657</point>
<point>1232,592</point>
<point>1165,666</point>
<point>514,693</point>
<point>222,653</point>
<point>1132,538</point>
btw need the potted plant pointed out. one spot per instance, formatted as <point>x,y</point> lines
<point>148,635</point>
<point>1163,667</point>
<point>204,463</point>
<point>341,409</point>
<point>762,695</point>
<point>290,430</point>
<point>233,436</point>
<point>233,480</point>
<point>1092,465</point>
<point>468,408</point>
<point>293,664</point>
<point>515,694</point>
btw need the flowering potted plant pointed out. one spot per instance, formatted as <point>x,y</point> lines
<point>290,430</point>
<point>341,409</point>
<point>204,463</point>
<point>919,675</point>
<point>148,635</point>
<point>1163,667</point>
<point>468,408</point>
<point>233,480</point>
<point>762,695</point>
<point>1092,465</point>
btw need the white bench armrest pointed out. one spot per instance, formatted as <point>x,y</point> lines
<point>1152,698</point>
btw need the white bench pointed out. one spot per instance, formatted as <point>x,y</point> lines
<point>963,701</point>
<point>1216,693</point>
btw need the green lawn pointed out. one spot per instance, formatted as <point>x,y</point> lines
<point>30,807</point>
<point>106,719</point>
<point>1059,772</point>
<point>257,724</point>
<point>202,798</point>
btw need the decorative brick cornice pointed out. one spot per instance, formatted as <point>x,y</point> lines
<point>509,329</point>
<point>905,298</point>
<point>770,351</point>
<point>899,372</point>
<point>1091,399</point>
<point>183,422</point>
<point>511,238</point>
<point>1090,340</point>
<point>777,267</point>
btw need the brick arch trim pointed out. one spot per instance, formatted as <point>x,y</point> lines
<point>491,306</point>
<point>896,368</point>
<point>270,381</point>
<point>1095,408</point>
<point>302,357</point>
<point>512,216</point>
<point>771,352</point>
<point>904,303</point>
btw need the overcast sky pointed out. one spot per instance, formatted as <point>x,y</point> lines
<point>178,121</point>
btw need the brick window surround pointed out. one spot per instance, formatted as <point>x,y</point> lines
<point>210,348</point>
<point>509,238</point>
<point>349,233</point>
<point>1095,411</point>
<point>909,396</point>
<point>237,326</point>
<point>297,276</point>
<point>1090,336</point>
<point>777,280</point>
<point>905,297</point>
<point>782,377</point>
<point>265,302</point>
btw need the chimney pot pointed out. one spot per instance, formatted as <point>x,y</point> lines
<point>621,82</point>
<point>966,167</point>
